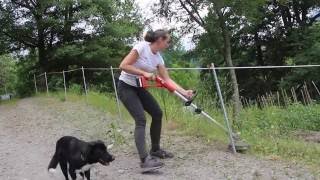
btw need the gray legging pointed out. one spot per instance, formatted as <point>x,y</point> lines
<point>137,100</point>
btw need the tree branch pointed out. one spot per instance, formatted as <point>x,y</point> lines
<point>196,11</point>
<point>198,21</point>
<point>19,39</point>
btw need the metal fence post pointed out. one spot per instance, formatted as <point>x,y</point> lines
<point>223,108</point>
<point>84,83</point>
<point>35,83</point>
<point>65,87</point>
<point>45,76</point>
<point>116,92</point>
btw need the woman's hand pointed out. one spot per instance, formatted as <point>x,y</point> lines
<point>188,93</point>
<point>163,72</point>
<point>149,76</point>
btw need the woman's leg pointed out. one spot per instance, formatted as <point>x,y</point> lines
<point>129,97</point>
<point>152,107</point>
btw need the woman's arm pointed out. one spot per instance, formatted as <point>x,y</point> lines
<point>163,73</point>
<point>126,65</point>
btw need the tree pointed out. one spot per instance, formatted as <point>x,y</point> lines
<point>57,35</point>
<point>222,13</point>
<point>45,26</point>
<point>260,37</point>
<point>272,37</point>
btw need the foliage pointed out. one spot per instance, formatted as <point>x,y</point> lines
<point>75,88</point>
<point>307,53</point>
<point>8,77</point>
<point>262,33</point>
<point>26,68</point>
<point>61,35</point>
<point>69,32</point>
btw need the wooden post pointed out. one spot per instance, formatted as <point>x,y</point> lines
<point>304,99</point>
<point>284,97</point>
<point>278,98</point>
<point>316,87</point>
<point>84,83</point>
<point>45,76</point>
<point>264,101</point>
<point>307,93</point>
<point>64,84</point>
<point>35,83</point>
<point>294,96</point>
<point>271,96</point>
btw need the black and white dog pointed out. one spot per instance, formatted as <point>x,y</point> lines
<point>77,156</point>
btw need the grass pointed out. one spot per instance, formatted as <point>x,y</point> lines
<point>9,102</point>
<point>269,131</point>
<point>272,132</point>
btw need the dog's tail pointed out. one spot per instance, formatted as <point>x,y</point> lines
<point>53,163</point>
<point>55,159</point>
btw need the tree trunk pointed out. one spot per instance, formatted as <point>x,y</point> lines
<point>42,56</point>
<point>228,59</point>
<point>68,15</point>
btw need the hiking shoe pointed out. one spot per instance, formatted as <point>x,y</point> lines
<point>150,164</point>
<point>160,153</point>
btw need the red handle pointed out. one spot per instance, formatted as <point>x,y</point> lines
<point>171,87</point>
<point>159,83</point>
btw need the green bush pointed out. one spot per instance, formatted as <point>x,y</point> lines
<point>75,88</point>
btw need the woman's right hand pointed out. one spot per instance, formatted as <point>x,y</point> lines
<point>188,93</point>
<point>149,76</point>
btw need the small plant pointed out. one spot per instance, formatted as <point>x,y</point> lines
<point>114,133</point>
<point>62,98</point>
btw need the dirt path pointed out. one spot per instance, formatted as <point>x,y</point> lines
<point>30,128</point>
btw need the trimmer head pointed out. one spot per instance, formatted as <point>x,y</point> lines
<point>241,146</point>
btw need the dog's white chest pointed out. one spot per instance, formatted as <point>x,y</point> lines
<point>85,168</point>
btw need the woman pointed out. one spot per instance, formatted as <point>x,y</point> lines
<point>145,60</point>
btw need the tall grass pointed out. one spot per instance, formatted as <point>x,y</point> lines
<point>272,131</point>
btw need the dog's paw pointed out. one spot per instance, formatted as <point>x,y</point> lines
<point>52,171</point>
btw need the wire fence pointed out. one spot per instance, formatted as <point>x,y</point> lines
<point>41,84</point>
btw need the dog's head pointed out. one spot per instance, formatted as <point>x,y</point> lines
<point>99,153</point>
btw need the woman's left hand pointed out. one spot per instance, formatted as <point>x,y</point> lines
<point>189,93</point>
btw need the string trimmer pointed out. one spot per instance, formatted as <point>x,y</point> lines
<point>240,146</point>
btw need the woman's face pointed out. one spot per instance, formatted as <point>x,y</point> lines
<point>163,43</point>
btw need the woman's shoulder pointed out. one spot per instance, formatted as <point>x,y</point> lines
<point>141,44</point>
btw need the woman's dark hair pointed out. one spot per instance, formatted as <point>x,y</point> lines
<point>153,36</point>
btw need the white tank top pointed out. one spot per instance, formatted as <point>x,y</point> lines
<point>147,61</point>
